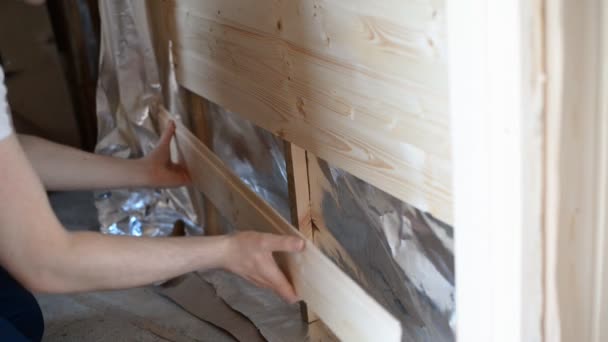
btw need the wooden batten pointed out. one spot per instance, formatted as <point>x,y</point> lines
<point>346,309</point>
<point>363,87</point>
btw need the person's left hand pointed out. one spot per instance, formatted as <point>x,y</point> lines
<point>160,170</point>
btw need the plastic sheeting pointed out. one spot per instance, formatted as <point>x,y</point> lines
<point>402,257</point>
<point>128,93</point>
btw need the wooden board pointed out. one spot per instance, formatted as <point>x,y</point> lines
<point>360,84</point>
<point>201,128</point>
<point>576,307</point>
<point>296,167</point>
<point>299,193</point>
<point>496,100</point>
<point>346,309</point>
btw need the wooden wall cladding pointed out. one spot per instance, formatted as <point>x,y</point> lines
<point>346,308</point>
<point>361,84</point>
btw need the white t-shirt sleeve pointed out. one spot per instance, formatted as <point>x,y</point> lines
<point>5,120</point>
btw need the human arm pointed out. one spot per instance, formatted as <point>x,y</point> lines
<point>44,257</point>
<point>65,168</point>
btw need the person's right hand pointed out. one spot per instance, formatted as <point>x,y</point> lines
<point>249,254</point>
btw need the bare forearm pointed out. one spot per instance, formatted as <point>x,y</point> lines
<point>40,254</point>
<point>65,168</point>
<point>97,262</point>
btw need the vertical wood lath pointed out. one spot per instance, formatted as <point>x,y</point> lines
<point>201,127</point>
<point>577,172</point>
<point>296,165</point>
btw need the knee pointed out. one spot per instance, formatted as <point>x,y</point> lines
<point>19,307</point>
<point>30,321</point>
<point>35,320</point>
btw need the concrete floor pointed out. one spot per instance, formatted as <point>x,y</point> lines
<point>129,315</point>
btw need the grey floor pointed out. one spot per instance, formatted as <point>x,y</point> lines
<point>129,315</point>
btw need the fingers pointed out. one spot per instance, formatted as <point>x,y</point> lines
<point>251,256</point>
<point>278,243</point>
<point>165,139</point>
<point>280,285</point>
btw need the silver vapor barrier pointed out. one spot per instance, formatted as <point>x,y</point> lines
<point>128,92</point>
<point>403,257</point>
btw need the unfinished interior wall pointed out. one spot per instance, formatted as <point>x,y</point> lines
<point>403,257</point>
<point>362,85</point>
<point>400,255</point>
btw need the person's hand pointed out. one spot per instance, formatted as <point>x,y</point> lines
<point>160,170</point>
<point>249,254</point>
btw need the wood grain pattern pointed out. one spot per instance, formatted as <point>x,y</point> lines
<point>576,307</point>
<point>299,193</point>
<point>346,309</point>
<point>201,128</point>
<point>296,166</point>
<point>362,85</point>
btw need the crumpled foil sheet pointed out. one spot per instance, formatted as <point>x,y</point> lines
<point>253,154</point>
<point>276,320</point>
<point>128,93</point>
<point>403,257</point>
<point>256,156</point>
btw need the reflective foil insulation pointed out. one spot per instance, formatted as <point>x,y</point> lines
<point>128,91</point>
<point>402,257</point>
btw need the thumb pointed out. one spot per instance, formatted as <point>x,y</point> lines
<point>168,133</point>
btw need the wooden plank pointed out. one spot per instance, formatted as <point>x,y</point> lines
<point>577,171</point>
<point>299,192</point>
<point>296,166</point>
<point>346,309</point>
<point>201,127</point>
<point>373,101</point>
<point>496,99</point>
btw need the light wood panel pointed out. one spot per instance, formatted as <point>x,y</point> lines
<point>346,309</point>
<point>201,128</point>
<point>296,166</point>
<point>299,192</point>
<point>496,100</point>
<point>577,172</point>
<point>360,84</point>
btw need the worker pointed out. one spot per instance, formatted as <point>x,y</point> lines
<point>38,255</point>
